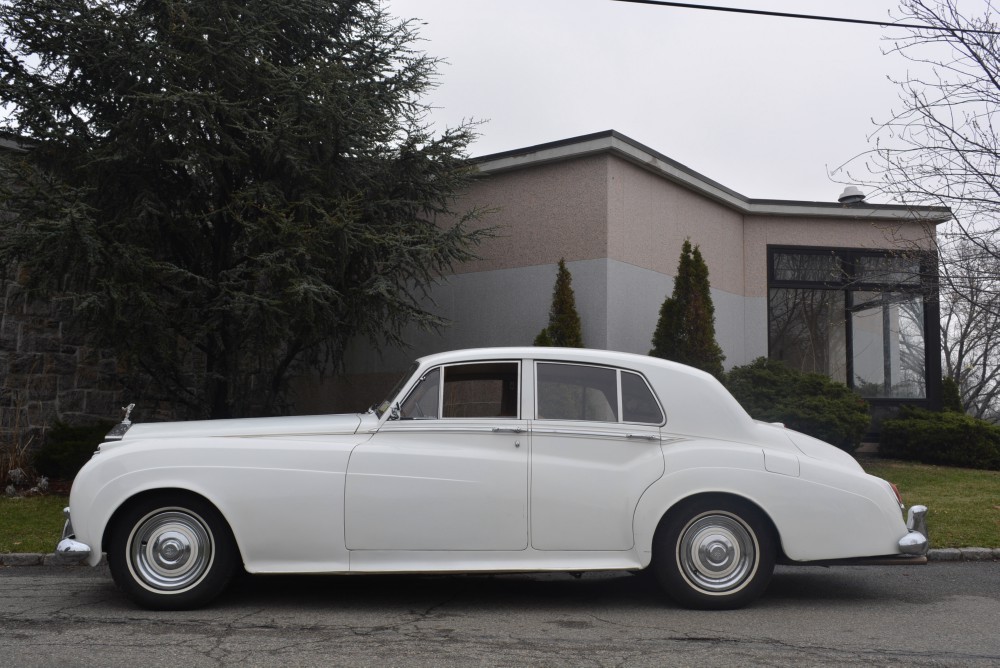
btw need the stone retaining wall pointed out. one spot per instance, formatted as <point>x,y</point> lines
<point>46,376</point>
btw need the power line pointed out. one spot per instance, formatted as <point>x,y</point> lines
<point>810,17</point>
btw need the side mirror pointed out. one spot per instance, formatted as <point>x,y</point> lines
<point>394,411</point>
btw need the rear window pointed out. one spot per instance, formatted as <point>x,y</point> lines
<point>638,403</point>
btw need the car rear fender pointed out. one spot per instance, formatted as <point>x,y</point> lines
<point>836,515</point>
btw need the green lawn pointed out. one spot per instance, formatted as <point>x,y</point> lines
<point>964,507</point>
<point>31,524</point>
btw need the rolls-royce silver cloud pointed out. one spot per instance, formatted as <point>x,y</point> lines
<point>497,460</point>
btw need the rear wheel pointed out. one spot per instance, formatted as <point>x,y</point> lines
<point>171,552</point>
<point>714,553</point>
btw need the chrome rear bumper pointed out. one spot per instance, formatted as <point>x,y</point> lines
<point>69,548</point>
<point>915,541</point>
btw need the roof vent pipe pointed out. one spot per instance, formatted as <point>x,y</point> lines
<point>851,195</point>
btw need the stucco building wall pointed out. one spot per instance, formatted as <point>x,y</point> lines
<point>542,214</point>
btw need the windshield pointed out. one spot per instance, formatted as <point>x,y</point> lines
<point>380,408</point>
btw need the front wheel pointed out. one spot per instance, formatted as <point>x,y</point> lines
<point>714,553</point>
<point>171,552</point>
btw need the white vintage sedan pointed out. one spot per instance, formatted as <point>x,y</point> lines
<point>498,459</point>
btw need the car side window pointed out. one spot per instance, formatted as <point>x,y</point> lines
<point>577,392</point>
<point>488,389</point>
<point>422,402</point>
<point>638,403</point>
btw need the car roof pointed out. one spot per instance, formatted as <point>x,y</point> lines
<point>588,355</point>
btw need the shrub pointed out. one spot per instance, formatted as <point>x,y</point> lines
<point>808,402</point>
<point>951,398</point>
<point>67,449</point>
<point>947,438</point>
<point>685,331</point>
<point>564,328</point>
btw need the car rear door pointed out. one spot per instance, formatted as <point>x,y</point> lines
<point>595,447</point>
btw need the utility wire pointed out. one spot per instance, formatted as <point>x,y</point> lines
<point>811,17</point>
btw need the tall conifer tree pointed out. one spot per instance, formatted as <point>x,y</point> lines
<point>685,331</point>
<point>230,190</point>
<point>564,327</point>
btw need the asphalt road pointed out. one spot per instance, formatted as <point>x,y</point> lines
<point>942,614</point>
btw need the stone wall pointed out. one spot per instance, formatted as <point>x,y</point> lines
<point>46,376</point>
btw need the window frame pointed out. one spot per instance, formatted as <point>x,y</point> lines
<point>618,390</point>
<point>926,287</point>
<point>442,369</point>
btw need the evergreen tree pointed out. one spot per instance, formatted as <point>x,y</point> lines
<point>685,331</point>
<point>564,327</point>
<point>229,190</point>
<point>951,397</point>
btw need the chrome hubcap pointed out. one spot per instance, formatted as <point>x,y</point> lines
<point>170,550</point>
<point>717,553</point>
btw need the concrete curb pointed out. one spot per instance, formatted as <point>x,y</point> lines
<point>38,559</point>
<point>963,554</point>
<point>56,559</point>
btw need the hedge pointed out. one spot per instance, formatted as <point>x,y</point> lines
<point>807,402</point>
<point>948,438</point>
<point>67,449</point>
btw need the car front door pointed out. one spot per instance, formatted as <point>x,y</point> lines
<point>595,447</point>
<point>451,473</point>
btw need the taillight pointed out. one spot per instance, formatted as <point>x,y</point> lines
<point>895,490</point>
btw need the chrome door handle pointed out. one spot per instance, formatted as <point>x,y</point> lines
<point>507,430</point>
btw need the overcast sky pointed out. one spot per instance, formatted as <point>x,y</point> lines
<point>765,106</point>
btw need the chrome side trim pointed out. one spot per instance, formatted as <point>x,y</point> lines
<point>585,433</point>
<point>409,426</point>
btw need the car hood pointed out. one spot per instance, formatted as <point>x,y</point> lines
<point>349,423</point>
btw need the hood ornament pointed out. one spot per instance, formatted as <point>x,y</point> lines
<point>117,433</point>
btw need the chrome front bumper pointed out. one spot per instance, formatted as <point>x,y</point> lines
<point>69,548</point>
<point>915,541</point>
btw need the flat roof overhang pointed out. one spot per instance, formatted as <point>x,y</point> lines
<point>614,143</point>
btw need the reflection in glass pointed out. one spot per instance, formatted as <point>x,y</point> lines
<point>638,403</point>
<point>422,402</point>
<point>807,330</point>
<point>807,267</point>
<point>887,269</point>
<point>480,390</point>
<point>854,315</point>
<point>577,392</point>
<point>888,342</point>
